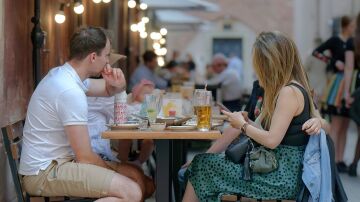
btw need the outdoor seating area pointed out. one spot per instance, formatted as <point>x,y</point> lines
<point>179,100</point>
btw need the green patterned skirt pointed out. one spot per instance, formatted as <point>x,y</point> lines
<point>213,175</point>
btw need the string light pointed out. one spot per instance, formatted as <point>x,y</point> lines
<point>96,1</point>
<point>131,3</point>
<point>143,6</point>
<point>156,46</point>
<point>162,41</point>
<point>143,35</point>
<point>161,61</point>
<point>155,36</point>
<point>60,16</point>
<point>78,7</point>
<point>163,31</point>
<point>145,19</point>
<point>106,1</point>
<point>134,27</point>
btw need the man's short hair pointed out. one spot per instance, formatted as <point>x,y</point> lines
<point>87,40</point>
<point>148,56</point>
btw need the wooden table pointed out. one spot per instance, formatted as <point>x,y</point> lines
<point>168,154</point>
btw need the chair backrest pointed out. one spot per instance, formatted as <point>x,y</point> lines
<point>12,137</point>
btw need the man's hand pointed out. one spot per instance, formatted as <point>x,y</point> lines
<point>114,77</point>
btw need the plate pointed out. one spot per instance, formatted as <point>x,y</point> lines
<point>124,126</point>
<point>181,128</point>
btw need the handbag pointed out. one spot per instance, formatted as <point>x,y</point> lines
<point>236,151</point>
<point>239,152</point>
<point>262,160</point>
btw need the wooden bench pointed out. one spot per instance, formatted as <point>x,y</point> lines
<point>12,138</point>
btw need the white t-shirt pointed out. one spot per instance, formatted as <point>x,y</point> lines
<point>59,100</point>
<point>231,88</point>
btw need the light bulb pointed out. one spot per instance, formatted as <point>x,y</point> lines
<point>60,17</point>
<point>141,27</point>
<point>143,6</point>
<point>134,27</point>
<point>106,1</point>
<point>162,41</point>
<point>143,35</point>
<point>96,1</point>
<point>145,19</point>
<point>155,36</point>
<point>131,3</point>
<point>156,46</point>
<point>160,61</point>
<point>163,31</point>
<point>78,8</point>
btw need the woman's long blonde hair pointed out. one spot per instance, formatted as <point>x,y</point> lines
<point>276,62</point>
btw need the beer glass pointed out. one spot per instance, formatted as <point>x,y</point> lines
<point>202,109</point>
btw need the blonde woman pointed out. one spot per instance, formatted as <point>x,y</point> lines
<point>287,106</point>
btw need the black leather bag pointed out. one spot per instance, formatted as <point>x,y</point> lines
<point>236,151</point>
<point>239,152</point>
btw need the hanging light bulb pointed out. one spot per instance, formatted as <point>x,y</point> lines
<point>60,16</point>
<point>163,31</point>
<point>106,1</point>
<point>156,46</point>
<point>155,36</point>
<point>96,1</point>
<point>134,27</point>
<point>131,3</point>
<point>161,61</point>
<point>78,7</point>
<point>162,41</point>
<point>143,6</point>
<point>145,19</point>
<point>141,27</point>
<point>143,35</point>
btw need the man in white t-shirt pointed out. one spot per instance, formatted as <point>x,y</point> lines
<point>56,158</point>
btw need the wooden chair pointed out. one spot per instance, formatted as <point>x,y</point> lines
<point>235,198</point>
<point>12,138</point>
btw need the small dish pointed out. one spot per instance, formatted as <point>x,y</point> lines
<point>167,120</point>
<point>181,128</point>
<point>157,126</point>
<point>123,126</point>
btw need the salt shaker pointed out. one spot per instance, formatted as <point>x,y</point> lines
<point>120,108</point>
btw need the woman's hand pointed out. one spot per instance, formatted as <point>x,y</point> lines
<point>236,119</point>
<point>312,126</point>
<point>186,164</point>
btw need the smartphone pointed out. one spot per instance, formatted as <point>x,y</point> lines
<point>222,107</point>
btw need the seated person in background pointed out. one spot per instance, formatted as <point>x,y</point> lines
<point>229,80</point>
<point>147,71</point>
<point>135,106</point>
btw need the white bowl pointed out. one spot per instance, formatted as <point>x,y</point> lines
<point>157,126</point>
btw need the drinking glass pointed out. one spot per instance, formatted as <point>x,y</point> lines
<point>202,109</point>
<point>152,102</point>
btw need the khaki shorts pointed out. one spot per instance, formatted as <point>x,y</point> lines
<point>67,178</point>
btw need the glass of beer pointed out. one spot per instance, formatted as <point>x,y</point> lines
<point>202,109</point>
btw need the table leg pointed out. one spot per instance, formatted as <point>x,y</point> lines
<point>163,171</point>
<point>178,161</point>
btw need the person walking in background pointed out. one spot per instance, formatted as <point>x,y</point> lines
<point>333,100</point>
<point>147,71</point>
<point>352,83</point>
